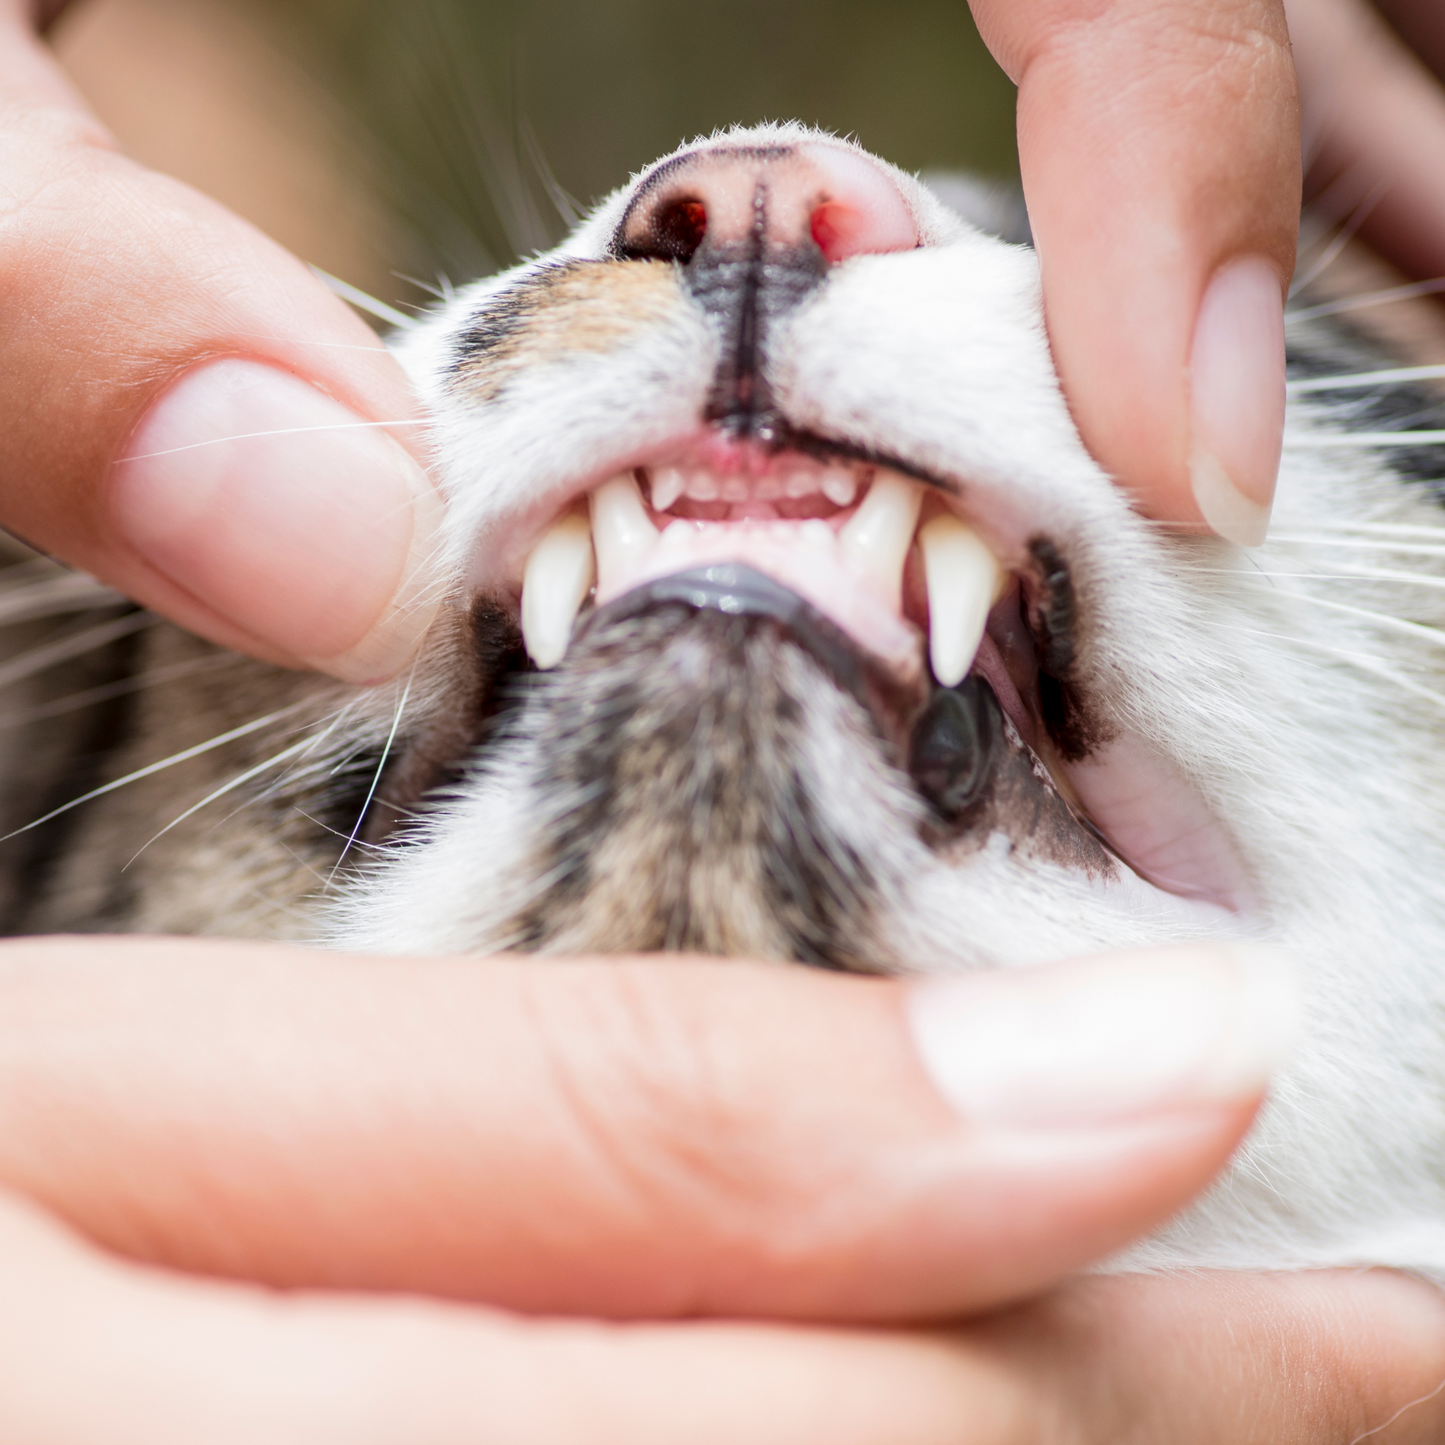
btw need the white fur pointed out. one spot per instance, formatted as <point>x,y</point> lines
<point>1276,709</point>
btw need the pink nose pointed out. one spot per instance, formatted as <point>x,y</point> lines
<point>785,196</point>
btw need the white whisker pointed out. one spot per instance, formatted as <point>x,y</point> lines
<point>1363,544</point>
<point>152,768</point>
<point>1431,635</point>
<point>38,659</point>
<point>1357,380</point>
<point>336,833</point>
<point>1363,661</point>
<point>1343,237</point>
<point>364,302</point>
<point>1370,298</point>
<point>225,788</point>
<point>380,766</point>
<point>54,594</point>
<point>284,431</point>
<point>1348,529</point>
<point>1346,573</point>
<point>138,683</point>
<point>1365,439</point>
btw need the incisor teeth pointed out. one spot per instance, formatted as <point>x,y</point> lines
<point>964,580</point>
<point>557,578</point>
<point>876,538</point>
<point>621,530</point>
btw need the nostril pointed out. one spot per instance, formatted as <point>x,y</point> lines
<point>674,232</point>
<point>856,209</point>
<point>838,230</point>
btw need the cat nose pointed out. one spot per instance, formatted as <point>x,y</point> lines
<point>790,197</point>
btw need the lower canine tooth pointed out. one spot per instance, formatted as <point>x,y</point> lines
<point>964,580</point>
<point>876,538</point>
<point>557,579</point>
<point>622,533</point>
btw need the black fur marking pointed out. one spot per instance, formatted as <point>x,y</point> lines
<point>744,288</point>
<point>501,658</point>
<point>92,738</point>
<point>1053,618</point>
<point>502,316</point>
<point>435,760</point>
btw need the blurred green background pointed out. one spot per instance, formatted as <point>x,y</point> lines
<point>471,94</point>
<point>462,129</point>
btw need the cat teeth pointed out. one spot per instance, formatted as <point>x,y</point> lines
<point>557,579</point>
<point>667,486</point>
<point>621,544</point>
<point>876,538</point>
<point>964,580</point>
<point>840,487</point>
<point>622,532</point>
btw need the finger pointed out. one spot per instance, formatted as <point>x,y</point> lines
<point>188,413</point>
<point>1159,145</point>
<point>654,1137</point>
<point>1375,123</point>
<point>97,1353</point>
<point>1292,1359</point>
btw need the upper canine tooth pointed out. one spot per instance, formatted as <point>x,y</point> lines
<point>557,578</point>
<point>666,487</point>
<point>964,580</point>
<point>876,537</point>
<point>840,487</point>
<point>622,532</point>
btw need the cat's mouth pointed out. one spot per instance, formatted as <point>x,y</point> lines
<point>967,638</point>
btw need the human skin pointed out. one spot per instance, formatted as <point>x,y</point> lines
<point>118,282</point>
<point>253,1193</point>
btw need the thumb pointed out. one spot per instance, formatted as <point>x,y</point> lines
<point>188,414</point>
<point>648,1137</point>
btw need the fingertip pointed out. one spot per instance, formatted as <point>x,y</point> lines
<point>1159,148</point>
<point>1237,398</point>
<point>299,521</point>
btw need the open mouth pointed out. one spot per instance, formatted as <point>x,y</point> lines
<point>875,552</point>
<point>978,645</point>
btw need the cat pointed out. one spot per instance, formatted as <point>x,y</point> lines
<point>787,616</point>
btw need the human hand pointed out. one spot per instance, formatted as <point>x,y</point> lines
<point>1161,160</point>
<point>645,1140</point>
<point>1159,148</point>
<point>143,323</point>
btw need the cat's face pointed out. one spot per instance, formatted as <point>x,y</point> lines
<point>850,653</point>
<point>788,617</point>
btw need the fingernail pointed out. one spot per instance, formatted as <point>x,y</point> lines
<point>1237,399</point>
<point>1105,1040</point>
<point>285,512</point>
